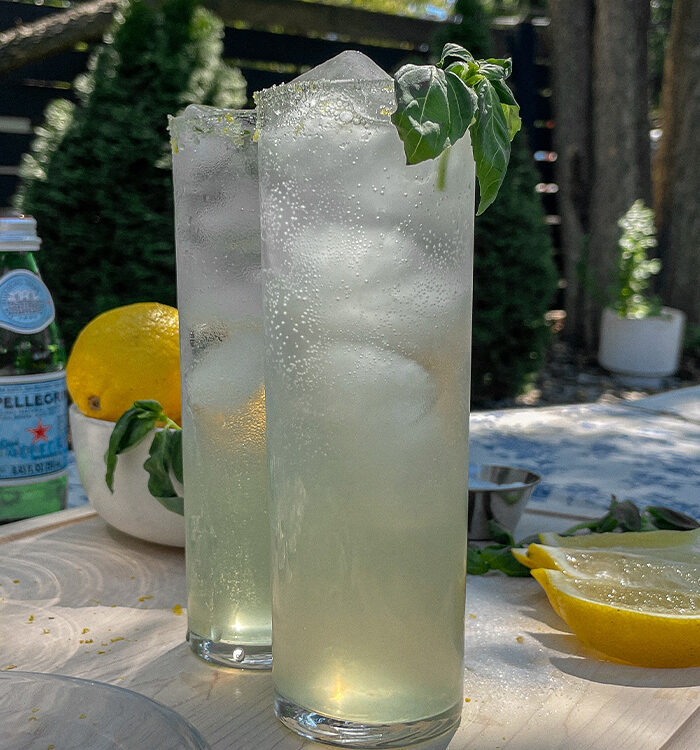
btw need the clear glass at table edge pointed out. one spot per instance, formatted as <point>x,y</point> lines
<point>217,234</point>
<point>367,289</point>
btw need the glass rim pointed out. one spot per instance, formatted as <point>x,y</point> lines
<point>205,120</point>
<point>268,100</point>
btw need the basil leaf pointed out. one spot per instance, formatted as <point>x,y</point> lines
<point>430,113</point>
<point>475,563</point>
<point>455,51</point>
<point>606,523</point>
<point>499,557</point>
<point>492,72</point>
<point>505,95</point>
<point>175,446</point>
<point>148,408</point>
<point>500,533</point>
<point>628,516</point>
<point>491,143</point>
<point>462,105</point>
<point>505,63</point>
<point>130,429</point>
<point>512,115</point>
<point>665,518</point>
<point>174,503</point>
<point>158,466</point>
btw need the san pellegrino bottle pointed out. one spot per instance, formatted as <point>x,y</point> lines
<point>33,402</point>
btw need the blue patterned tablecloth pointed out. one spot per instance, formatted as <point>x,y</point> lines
<point>647,451</point>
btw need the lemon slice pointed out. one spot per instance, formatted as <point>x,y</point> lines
<point>652,626</point>
<point>681,546</point>
<point>627,568</point>
<point>629,541</point>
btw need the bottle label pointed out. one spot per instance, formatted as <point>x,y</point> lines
<point>25,302</point>
<point>33,426</point>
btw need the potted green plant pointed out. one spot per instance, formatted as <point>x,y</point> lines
<point>640,339</point>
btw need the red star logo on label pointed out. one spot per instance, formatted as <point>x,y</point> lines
<point>39,432</point>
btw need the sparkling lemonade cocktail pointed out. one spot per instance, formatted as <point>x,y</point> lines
<point>367,276</point>
<point>217,226</point>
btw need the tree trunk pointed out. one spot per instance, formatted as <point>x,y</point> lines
<point>572,60</point>
<point>621,150</point>
<point>55,33</point>
<point>676,170</point>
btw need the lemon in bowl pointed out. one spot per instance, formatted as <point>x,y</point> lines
<point>124,355</point>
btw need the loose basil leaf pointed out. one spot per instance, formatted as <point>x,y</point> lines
<point>490,135</point>
<point>628,516</point>
<point>499,557</point>
<point>665,518</point>
<point>606,523</point>
<point>500,533</point>
<point>475,562</point>
<point>528,540</point>
<point>158,466</point>
<point>130,429</point>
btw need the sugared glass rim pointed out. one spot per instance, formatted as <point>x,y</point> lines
<point>268,100</point>
<point>201,119</point>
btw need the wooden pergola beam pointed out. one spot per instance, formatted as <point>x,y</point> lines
<point>303,18</point>
<point>88,21</point>
<point>55,33</point>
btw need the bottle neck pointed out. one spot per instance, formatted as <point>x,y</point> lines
<point>17,259</point>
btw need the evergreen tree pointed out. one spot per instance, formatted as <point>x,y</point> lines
<point>514,273</point>
<point>98,177</point>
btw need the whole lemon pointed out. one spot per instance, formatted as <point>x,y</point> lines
<point>125,355</point>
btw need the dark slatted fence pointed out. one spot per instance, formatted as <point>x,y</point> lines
<point>272,41</point>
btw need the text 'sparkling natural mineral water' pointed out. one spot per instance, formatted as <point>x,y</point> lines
<point>33,406</point>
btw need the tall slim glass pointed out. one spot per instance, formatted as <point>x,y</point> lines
<point>367,275</point>
<point>217,229</point>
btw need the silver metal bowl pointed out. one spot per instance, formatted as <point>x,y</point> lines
<point>497,493</point>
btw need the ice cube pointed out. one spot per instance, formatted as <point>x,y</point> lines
<point>350,65</point>
<point>229,374</point>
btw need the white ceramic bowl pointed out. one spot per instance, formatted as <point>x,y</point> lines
<point>131,509</point>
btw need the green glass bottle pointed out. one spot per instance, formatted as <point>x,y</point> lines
<point>33,401</point>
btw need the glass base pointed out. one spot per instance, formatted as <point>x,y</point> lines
<point>334,731</point>
<point>230,654</point>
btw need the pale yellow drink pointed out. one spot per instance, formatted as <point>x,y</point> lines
<point>367,268</point>
<point>217,226</point>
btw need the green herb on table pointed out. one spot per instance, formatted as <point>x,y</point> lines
<point>165,453</point>
<point>621,517</point>
<point>437,104</point>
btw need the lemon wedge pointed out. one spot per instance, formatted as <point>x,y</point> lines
<point>646,623</point>
<point>630,541</point>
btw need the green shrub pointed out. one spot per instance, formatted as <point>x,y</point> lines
<point>514,274</point>
<point>98,176</point>
<point>514,282</point>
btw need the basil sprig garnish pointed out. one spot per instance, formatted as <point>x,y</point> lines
<point>622,516</point>
<point>165,453</point>
<point>436,104</point>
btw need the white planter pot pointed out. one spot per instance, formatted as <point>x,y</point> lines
<point>641,347</point>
